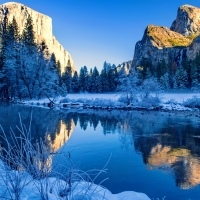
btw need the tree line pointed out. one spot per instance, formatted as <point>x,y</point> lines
<point>184,75</point>
<point>91,80</point>
<point>28,70</point>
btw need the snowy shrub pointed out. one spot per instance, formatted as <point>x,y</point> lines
<point>172,102</point>
<point>65,100</point>
<point>123,99</point>
<point>194,102</point>
<point>149,102</point>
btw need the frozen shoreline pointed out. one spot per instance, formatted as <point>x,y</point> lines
<point>169,102</point>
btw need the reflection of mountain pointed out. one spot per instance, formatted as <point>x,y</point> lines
<point>169,142</point>
<point>44,123</point>
<point>62,134</point>
<point>174,149</point>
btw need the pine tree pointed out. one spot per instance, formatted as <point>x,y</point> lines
<point>96,81</point>
<point>75,83</point>
<point>3,43</point>
<point>83,79</point>
<point>165,81</point>
<point>194,77</point>
<point>161,69</point>
<point>28,35</point>
<point>181,77</point>
<point>67,78</point>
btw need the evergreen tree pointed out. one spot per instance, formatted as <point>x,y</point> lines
<point>194,76</point>
<point>96,80</point>
<point>75,83</point>
<point>28,35</point>
<point>83,79</point>
<point>161,69</point>
<point>67,78</point>
<point>3,43</point>
<point>181,77</point>
<point>165,81</point>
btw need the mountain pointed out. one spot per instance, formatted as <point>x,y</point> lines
<point>42,28</point>
<point>161,43</point>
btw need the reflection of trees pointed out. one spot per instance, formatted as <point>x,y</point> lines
<point>169,143</point>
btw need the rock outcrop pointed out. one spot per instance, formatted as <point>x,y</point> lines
<point>42,29</point>
<point>161,43</point>
<point>187,21</point>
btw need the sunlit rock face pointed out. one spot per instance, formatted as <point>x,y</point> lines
<point>125,67</point>
<point>62,134</point>
<point>42,29</point>
<point>187,21</point>
<point>161,43</point>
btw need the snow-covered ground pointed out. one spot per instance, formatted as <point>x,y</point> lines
<point>178,97</point>
<point>169,101</point>
<point>53,188</point>
<point>111,96</point>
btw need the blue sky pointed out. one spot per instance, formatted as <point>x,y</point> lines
<point>94,31</point>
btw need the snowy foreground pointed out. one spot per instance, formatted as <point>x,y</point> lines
<point>167,102</point>
<point>54,187</point>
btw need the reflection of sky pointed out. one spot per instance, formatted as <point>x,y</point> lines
<point>97,30</point>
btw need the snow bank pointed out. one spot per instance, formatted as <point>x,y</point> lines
<point>80,191</point>
<point>166,102</point>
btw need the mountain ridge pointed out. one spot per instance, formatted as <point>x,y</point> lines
<point>161,43</point>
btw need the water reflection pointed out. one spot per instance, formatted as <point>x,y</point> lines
<point>167,142</point>
<point>174,149</point>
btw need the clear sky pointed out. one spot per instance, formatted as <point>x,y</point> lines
<point>94,31</point>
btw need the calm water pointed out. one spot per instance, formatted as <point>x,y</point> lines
<point>152,152</point>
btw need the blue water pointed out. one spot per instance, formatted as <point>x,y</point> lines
<point>151,152</point>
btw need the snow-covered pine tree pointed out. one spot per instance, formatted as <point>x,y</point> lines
<point>112,78</point>
<point>195,85</point>
<point>90,82</point>
<point>67,78</point>
<point>75,83</point>
<point>165,81</point>
<point>52,87</point>
<point>104,76</point>
<point>12,60</point>
<point>96,81</point>
<point>83,79</point>
<point>3,43</point>
<point>181,78</point>
<point>28,60</point>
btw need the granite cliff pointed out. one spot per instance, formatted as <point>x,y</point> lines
<point>42,29</point>
<point>161,43</point>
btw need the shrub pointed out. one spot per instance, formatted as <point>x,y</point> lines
<point>194,102</point>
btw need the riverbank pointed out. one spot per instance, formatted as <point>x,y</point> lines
<point>164,102</point>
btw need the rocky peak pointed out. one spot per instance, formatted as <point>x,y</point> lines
<point>162,37</point>
<point>42,28</point>
<point>187,21</point>
<point>161,43</point>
